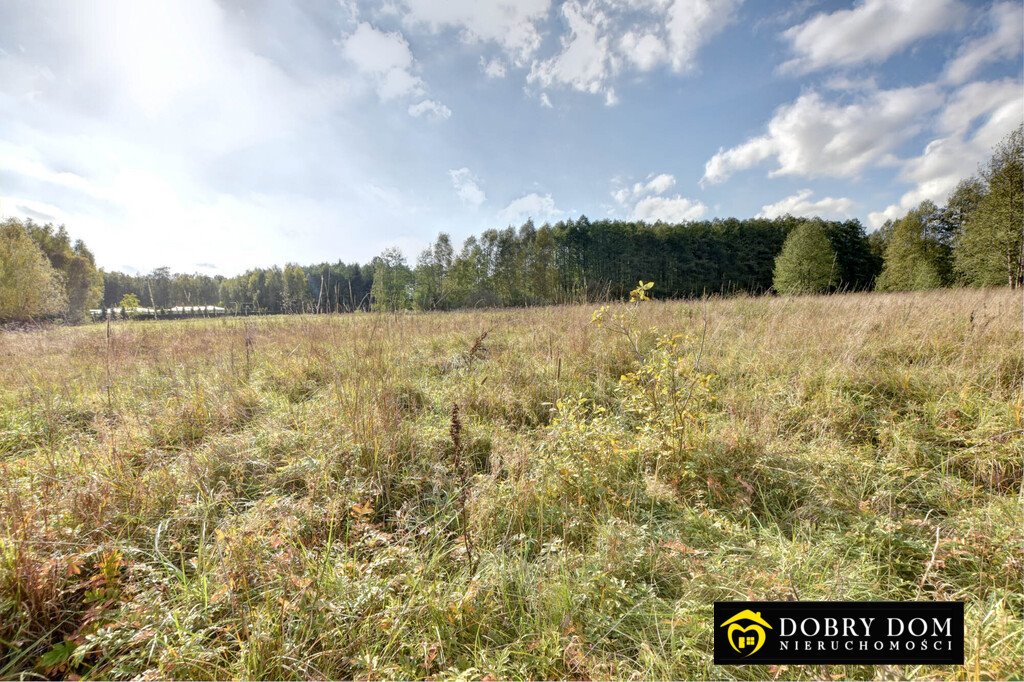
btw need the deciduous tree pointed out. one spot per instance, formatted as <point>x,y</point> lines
<point>915,256</point>
<point>29,286</point>
<point>807,263</point>
<point>990,249</point>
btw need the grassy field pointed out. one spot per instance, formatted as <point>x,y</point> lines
<point>546,493</point>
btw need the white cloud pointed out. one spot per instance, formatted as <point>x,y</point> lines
<point>644,51</point>
<point>877,218</point>
<point>675,209</point>
<point>603,38</point>
<point>976,118</point>
<point>691,24</point>
<point>1002,98</point>
<point>385,58</point>
<point>1003,43</point>
<point>388,8</point>
<point>545,101</point>
<point>660,183</point>
<point>533,205</point>
<point>349,9</point>
<point>467,186</point>
<point>655,184</point>
<point>492,68</point>
<point>747,155</point>
<point>802,205</point>
<point>644,201</point>
<point>431,109</point>
<point>871,32</point>
<point>607,37</point>
<point>813,137</point>
<point>512,24</point>
<point>585,62</point>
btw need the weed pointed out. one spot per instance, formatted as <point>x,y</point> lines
<point>562,495</point>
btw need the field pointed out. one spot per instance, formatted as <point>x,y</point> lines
<point>550,493</point>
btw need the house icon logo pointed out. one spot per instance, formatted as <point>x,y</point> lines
<point>746,639</point>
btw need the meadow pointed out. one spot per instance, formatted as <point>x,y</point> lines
<point>558,492</point>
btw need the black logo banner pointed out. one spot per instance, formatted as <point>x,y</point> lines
<point>853,633</point>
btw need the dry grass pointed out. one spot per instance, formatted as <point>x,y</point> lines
<point>281,497</point>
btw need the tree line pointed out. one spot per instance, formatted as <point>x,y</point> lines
<point>974,240</point>
<point>571,260</point>
<point>327,287</point>
<point>581,260</point>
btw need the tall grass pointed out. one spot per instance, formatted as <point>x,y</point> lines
<point>296,497</point>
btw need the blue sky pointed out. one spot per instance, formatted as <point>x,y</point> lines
<point>216,136</point>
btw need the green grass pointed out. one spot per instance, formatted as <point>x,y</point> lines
<point>279,497</point>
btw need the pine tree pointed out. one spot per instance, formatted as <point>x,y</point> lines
<point>807,263</point>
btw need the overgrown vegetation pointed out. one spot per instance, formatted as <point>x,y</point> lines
<point>545,493</point>
<point>28,285</point>
<point>43,275</point>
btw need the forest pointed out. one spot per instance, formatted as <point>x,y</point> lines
<point>973,240</point>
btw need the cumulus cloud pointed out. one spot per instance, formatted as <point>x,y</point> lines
<point>1003,42</point>
<point>585,62</point>
<point>871,32</point>
<point>654,184</point>
<point>802,205</point>
<point>601,39</point>
<point>604,38</point>
<point>385,58</point>
<point>691,23</point>
<point>852,125</point>
<point>814,136</point>
<point>644,51</point>
<point>533,205</point>
<point>675,209</point>
<point>1000,101</point>
<point>514,26</point>
<point>976,118</point>
<point>645,201</point>
<point>430,109</point>
<point>467,186</point>
<point>747,155</point>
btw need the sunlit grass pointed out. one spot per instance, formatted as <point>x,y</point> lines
<point>282,497</point>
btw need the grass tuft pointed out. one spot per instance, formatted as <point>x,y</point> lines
<point>544,493</point>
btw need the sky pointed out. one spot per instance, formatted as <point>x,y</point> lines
<point>218,135</point>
